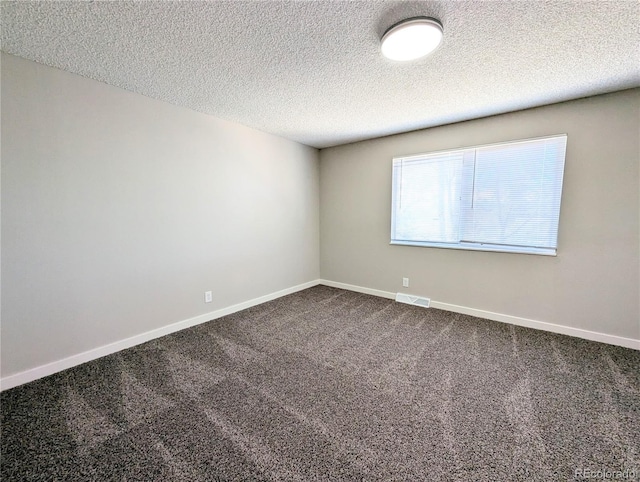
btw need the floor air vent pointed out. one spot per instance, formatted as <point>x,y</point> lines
<point>413,300</point>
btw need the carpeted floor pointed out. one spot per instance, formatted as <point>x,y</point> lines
<point>327,384</point>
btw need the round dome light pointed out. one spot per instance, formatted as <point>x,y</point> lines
<point>412,38</point>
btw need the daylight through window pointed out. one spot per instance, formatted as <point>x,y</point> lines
<point>499,197</point>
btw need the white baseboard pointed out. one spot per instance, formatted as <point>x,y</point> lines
<point>514,320</point>
<point>359,289</point>
<point>74,360</point>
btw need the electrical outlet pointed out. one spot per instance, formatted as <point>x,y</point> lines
<point>405,282</point>
<point>208,297</point>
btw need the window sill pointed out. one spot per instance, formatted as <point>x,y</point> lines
<point>496,248</point>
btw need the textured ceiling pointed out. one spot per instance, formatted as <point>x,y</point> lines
<point>311,71</point>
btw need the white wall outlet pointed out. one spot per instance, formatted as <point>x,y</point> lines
<point>405,282</point>
<point>208,297</point>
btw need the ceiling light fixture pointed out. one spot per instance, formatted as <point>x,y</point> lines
<point>412,38</point>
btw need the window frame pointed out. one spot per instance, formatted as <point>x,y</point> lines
<point>479,246</point>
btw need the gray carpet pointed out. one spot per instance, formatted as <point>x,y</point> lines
<point>327,384</point>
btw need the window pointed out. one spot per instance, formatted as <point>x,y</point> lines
<point>500,197</point>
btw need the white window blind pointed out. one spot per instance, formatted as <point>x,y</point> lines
<point>502,197</point>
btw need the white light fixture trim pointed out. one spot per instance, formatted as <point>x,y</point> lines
<point>412,38</point>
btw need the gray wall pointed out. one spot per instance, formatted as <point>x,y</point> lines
<point>593,282</point>
<point>119,211</point>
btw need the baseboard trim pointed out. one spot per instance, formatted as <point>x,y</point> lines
<point>542,325</point>
<point>32,374</point>
<point>513,320</point>
<point>358,289</point>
